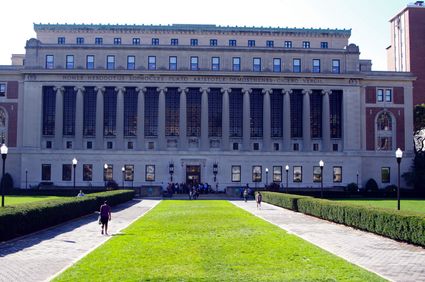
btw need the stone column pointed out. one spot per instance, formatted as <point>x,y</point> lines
<point>246,129</point>
<point>182,120</point>
<point>204,119</point>
<point>59,118</point>
<point>119,139</point>
<point>225,146</point>
<point>161,119</point>
<point>79,116</point>
<point>266,120</point>
<point>99,117</point>
<point>140,118</point>
<point>306,121</point>
<point>286,120</point>
<point>326,128</point>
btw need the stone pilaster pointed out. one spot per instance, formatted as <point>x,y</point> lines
<point>286,120</point>
<point>99,117</point>
<point>59,118</point>
<point>119,139</point>
<point>326,130</point>
<point>266,120</point>
<point>306,121</point>
<point>204,119</point>
<point>79,116</point>
<point>246,129</point>
<point>140,118</point>
<point>183,119</point>
<point>161,119</point>
<point>225,146</point>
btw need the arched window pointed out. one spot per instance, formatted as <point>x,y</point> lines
<point>384,131</point>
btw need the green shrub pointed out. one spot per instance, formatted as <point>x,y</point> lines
<point>398,225</point>
<point>371,185</point>
<point>352,188</point>
<point>26,218</point>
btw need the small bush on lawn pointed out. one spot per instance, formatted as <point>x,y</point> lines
<point>26,218</point>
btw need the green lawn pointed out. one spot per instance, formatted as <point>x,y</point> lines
<point>417,206</point>
<point>209,241</point>
<point>11,200</point>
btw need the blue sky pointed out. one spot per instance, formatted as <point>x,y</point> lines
<point>368,19</point>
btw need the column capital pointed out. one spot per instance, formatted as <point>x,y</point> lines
<point>59,88</point>
<point>100,88</point>
<point>184,90</point>
<point>120,89</point>
<point>138,89</point>
<point>247,90</point>
<point>286,91</point>
<point>307,91</point>
<point>228,90</point>
<point>204,89</point>
<point>80,88</point>
<point>326,91</point>
<point>266,90</point>
<point>161,89</point>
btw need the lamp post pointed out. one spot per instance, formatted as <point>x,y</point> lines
<point>287,170</point>
<point>171,171</point>
<point>399,156</point>
<point>105,166</point>
<point>26,179</point>
<point>267,177</point>
<point>321,164</point>
<point>215,171</point>
<point>357,179</point>
<point>3,151</point>
<point>123,175</point>
<point>74,165</point>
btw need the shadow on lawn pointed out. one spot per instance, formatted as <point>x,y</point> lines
<point>27,241</point>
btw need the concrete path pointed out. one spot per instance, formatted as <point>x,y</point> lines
<point>42,255</point>
<point>388,258</point>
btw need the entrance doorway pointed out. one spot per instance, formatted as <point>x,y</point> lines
<point>193,174</point>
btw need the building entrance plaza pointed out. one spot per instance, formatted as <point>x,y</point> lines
<point>228,106</point>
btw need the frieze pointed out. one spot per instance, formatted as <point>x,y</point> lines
<point>163,78</point>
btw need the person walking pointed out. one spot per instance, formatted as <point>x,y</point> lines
<point>259,199</point>
<point>105,216</point>
<point>245,194</point>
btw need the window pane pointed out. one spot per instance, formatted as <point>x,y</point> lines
<point>236,173</point>
<point>87,172</point>
<point>277,174</point>
<point>337,175</point>
<point>298,174</point>
<point>256,173</point>
<point>385,175</point>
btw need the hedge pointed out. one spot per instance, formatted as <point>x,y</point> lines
<point>399,225</point>
<point>26,218</point>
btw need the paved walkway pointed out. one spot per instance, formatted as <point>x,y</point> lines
<point>40,256</point>
<point>388,258</point>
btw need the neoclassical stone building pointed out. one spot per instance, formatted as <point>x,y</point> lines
<point>201,103</point>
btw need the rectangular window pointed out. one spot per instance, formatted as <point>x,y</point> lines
<point>61,40</point>
<point>194,63</point>
<point>256,146</point>
<point>316,65</point>
<point>130,145</point>
<point>80,40</point>
<point>2,89</point>
<point>277,67</point>
<point>69,144</point>
<point>251,43</point>
<point>269,43</point>
<point>306,44</point>
<point>150,173</point>
<point>87,172</point>
<point>108,170</point>
<point>380,95</point>
<point>89,145</point>
<point>90,62</point>
<point>128,172</point>
<point>236,64</point>
<point>66,172</point>
<point>152,62</point>
<point>236,173</point>
<point>136,41</point>
<point>131,62</point>
<point>335,147</point>
<point>257,173</point>
<point>317,175</point>
<point>193,42</point>
<point>155,41</point>
<point>256,64</point>
<point>296,147</point>
<point>46,172</point>
<point>110,62</point>
<point>315,147</point>
<point>213,42</point>
<point>215,63</point>
<point>296,65</point>
<point>335,66</point>
<point>98,41</point>
<point>69,61</point>
<point>174,41</point>
<point>50,61</point>
<point>276,146</point>
<point>235,146</point>
<point>385,174</point>
<point>172,62</point>
<point>109,145</point>
<point>232,42</point>
<point>277,174</point>
<point>298,174</point>
<point>287,44</point>
<point>48,144</point>
<point>117,41</point>
<point>388,95</point>
<point>324,45</point>
<point>337,174</point>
